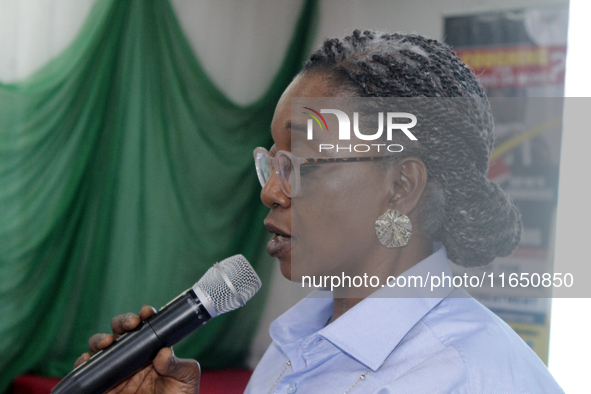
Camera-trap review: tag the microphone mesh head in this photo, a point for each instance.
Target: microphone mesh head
(241, 276)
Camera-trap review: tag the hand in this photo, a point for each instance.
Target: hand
(167, 374)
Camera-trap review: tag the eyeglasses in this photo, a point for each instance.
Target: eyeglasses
(287, 167)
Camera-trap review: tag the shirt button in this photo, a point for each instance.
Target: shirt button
(291, 388)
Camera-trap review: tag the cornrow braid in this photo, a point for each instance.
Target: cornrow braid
(473, 217)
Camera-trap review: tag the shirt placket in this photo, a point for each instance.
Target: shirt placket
(314, 351)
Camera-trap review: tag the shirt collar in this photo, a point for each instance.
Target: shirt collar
(372, 329)
(302, 321)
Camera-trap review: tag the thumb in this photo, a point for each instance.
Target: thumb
(184, 370)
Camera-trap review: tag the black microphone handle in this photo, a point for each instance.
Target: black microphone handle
(137, 348)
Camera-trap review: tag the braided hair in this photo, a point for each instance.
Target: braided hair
(474, 218)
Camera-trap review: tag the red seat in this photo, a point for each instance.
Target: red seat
(222, 381)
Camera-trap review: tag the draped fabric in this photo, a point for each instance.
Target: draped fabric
(124, 175)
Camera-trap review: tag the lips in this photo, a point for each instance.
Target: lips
(280, 244)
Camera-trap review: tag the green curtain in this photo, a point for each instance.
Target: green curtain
(124, 175)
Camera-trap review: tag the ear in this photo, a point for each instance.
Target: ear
(408, 181)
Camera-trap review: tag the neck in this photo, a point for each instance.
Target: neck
(404, 258)
(342, 305)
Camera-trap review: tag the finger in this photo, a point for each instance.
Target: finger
(81, 360)
(146, 312)
(98, 342)
(183, 370)
(123, 323)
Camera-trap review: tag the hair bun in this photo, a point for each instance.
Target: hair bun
(481, 222)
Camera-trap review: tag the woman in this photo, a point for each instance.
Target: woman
(401, 207)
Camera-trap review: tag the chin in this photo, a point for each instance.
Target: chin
(287, 271)
(285, 267)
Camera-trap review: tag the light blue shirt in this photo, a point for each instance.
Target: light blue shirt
(448, 344)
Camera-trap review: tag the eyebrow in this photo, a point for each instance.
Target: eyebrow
(295, 126)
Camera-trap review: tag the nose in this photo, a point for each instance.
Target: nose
(272, 195)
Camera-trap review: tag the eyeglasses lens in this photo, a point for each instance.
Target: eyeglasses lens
(263, 167)
(286, 172)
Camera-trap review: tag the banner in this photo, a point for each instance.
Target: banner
(520, 56)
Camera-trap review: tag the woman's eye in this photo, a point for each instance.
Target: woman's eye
(307, 169)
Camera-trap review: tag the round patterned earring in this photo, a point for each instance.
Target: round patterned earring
(393, 229)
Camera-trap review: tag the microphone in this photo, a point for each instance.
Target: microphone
(226, 286)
